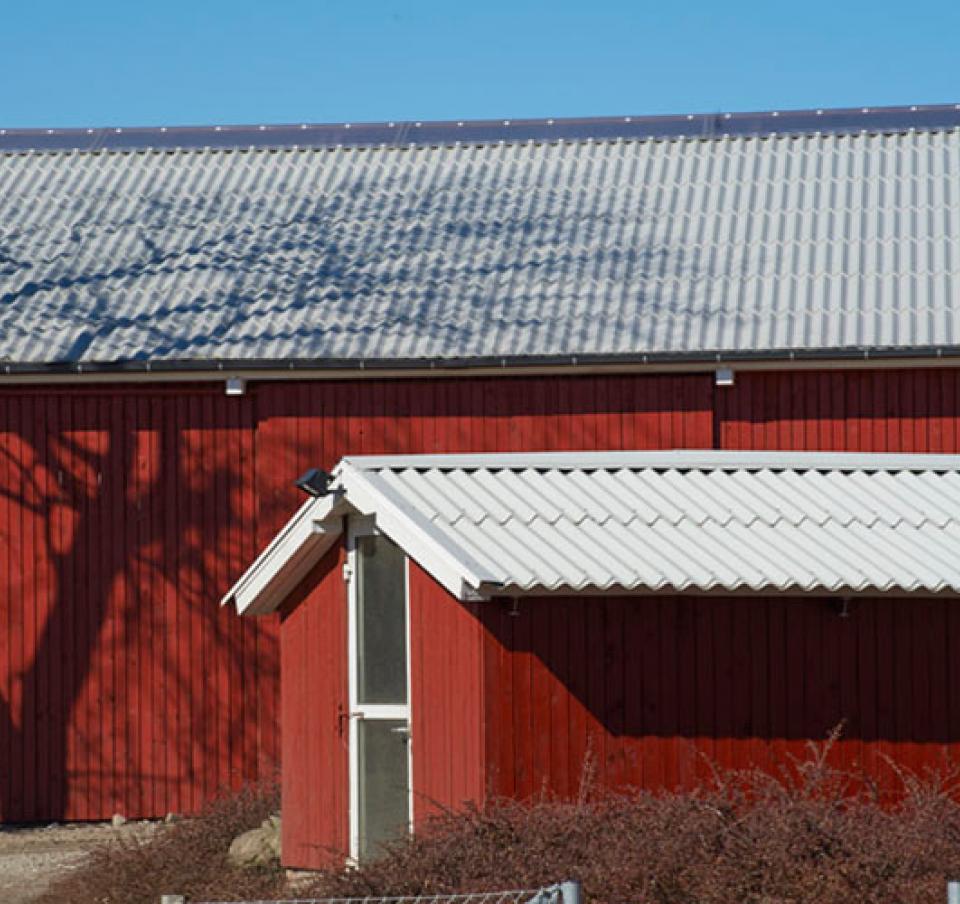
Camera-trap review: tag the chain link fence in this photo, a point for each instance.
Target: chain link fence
(560, 893)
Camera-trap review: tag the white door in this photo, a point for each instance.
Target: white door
(380, 749)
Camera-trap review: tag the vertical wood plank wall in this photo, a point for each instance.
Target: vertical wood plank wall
(306, 425)
(648, 691)
(315, 701)
(123, 687)
(125, 512)
(446, 686)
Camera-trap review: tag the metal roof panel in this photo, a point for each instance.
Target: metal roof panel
(691, 521)
(329, 253)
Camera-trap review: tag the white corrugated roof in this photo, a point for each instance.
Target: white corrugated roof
(488, 525)
(745, 245)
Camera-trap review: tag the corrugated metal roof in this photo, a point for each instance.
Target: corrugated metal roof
(465, 252)
(679, 521)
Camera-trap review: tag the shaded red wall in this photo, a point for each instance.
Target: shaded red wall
(649, 691)
(846, 410)
(126, 512)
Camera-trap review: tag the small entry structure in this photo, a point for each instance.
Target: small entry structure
(455, 626)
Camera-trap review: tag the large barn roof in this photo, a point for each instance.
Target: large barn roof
(676, 521)
(820, 233)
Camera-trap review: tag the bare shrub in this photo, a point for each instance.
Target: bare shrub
(811, 833)
(188, 858)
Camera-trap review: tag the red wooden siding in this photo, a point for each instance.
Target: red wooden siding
(123, 688)
(640, 687)
(846, 410)
(303, 425)
(125, 512)
(446, 698)
(315, 708)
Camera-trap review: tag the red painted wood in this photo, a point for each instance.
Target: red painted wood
(315, 708)
(127, 511)
(855, 411)
(648, 670)
(119, 522)
(446, 699)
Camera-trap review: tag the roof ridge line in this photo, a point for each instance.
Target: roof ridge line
(847, 120)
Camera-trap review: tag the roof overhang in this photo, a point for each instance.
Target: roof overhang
(697, 521)
(210, 370)
(277, 571)
(319, 523)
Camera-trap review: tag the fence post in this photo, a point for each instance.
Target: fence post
(572, 893)
(172, 899)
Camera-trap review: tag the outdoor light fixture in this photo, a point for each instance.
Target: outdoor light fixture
(236, 386)
(314, 482)
(724, 376)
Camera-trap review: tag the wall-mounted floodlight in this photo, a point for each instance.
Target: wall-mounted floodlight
(314, 482)
(236, 386)
(724, 376)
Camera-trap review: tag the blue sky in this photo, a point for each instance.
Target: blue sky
(136, 62)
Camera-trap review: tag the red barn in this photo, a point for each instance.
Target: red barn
(189, 318)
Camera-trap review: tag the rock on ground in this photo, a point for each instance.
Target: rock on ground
(257, 847)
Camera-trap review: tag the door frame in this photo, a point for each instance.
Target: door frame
(364, 526)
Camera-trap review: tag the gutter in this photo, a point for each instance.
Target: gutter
(373, 368)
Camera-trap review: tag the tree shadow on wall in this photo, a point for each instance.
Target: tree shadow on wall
(129, 690)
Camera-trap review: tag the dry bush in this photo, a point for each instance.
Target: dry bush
(187, 858)
(810, 834)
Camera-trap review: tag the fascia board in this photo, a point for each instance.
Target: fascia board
(269, 590)
(692, 459)
(281, 548)
(441, 557)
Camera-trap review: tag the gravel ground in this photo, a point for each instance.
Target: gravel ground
(31, 857)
